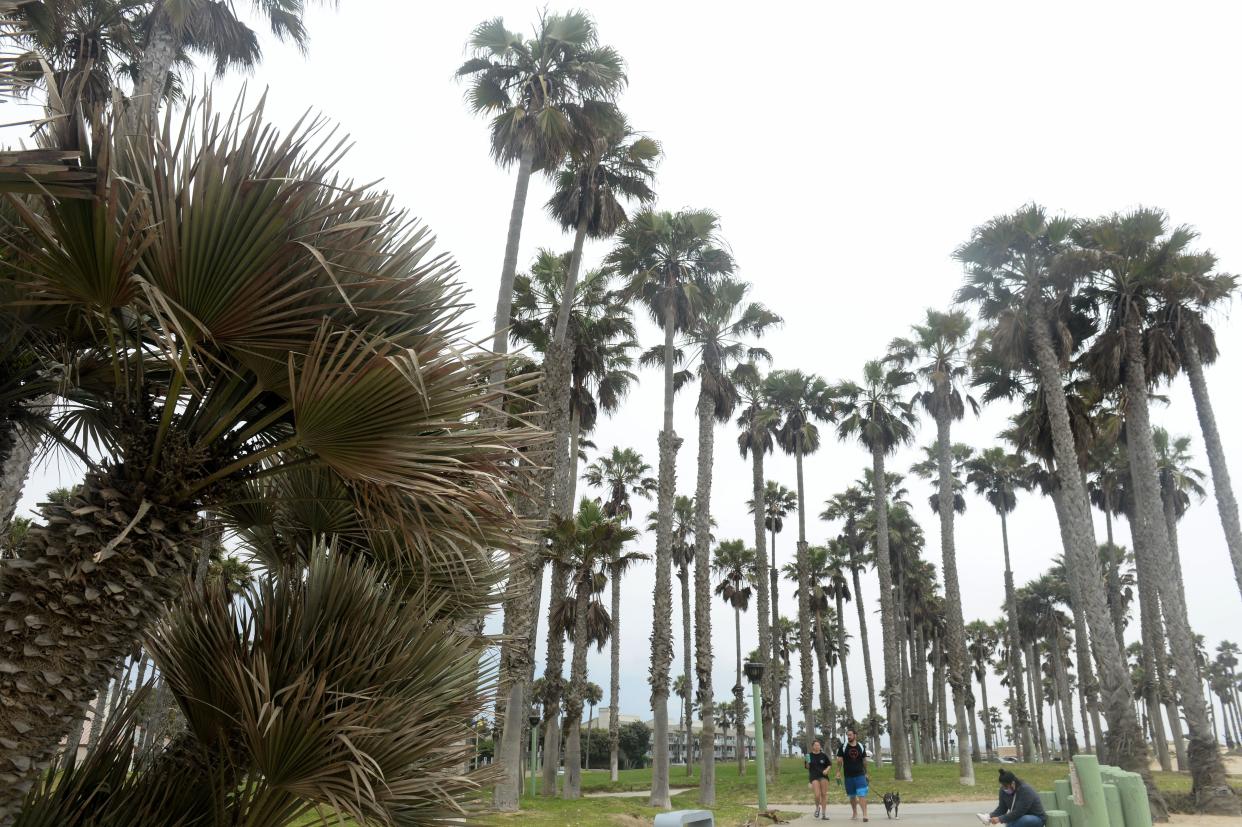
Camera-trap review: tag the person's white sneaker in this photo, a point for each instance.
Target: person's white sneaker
(984, 818)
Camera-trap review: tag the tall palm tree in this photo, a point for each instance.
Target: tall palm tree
(1038, 603)
(785, 635)
(1130, 256)
(875, 414)
(778, 503)
(683, 558)
(610, 165)
(756, 437)
(666, 256)
(734, 564)
(622, 474)
(1107, 470)
(998, 477)
(371, 390)
(939, 348)
(851, 506)
(1017, 273)
(981, 643)
(1185, 301)
(592, 694)
(587, 545)
(1179, 481)
(838, 588)
(801, 399)
(543, 94)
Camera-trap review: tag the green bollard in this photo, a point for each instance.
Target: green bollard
(1049, 800)
(1112, 798)
(1063, 793)
(1134, 804)
(1057, 818)
(1091, 788)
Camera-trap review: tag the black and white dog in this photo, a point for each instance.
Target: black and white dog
(892, 804)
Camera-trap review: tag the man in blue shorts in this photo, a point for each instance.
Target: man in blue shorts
(852, 760)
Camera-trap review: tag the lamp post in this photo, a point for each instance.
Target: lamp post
(534, 745)
(754, 674)
(914, 731)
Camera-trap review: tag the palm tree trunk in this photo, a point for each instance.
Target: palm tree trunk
(845, 668)
(64, 651)
(770, 689)
(955, 634)
(702, 588)
(739, 727)
(614, 678)
(987, 720)
(1065, 698)
(1036, 676)
(157, 61)
(1113, 577)
(1175, 730)
(577, 685)
(774, 578)
(17, 452)
(788, 707)
(894, 703)
(1021, 722)
(1153, 637)
(508, 271)
(864, 641)
(805, 644)
(662, 612)
(687, 709)
(1226, 504)
(1126, 747)
(1212, 792)
(976, 754)
(554, 680)
(821, 668)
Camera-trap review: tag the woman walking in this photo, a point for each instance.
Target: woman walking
(817, 764)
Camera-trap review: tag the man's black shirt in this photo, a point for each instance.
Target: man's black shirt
(854, 758)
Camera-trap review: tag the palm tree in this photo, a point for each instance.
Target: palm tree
(666, 257)
(371, 391)
(821, 640)
(852, 506)
(176, 27)
(734, 564)
(1179, 481)
(939, 347)
(1107, 471)
(586, 546)
(543, 94)
(785, 634)
(1038, 602)
(875, 414)
(756, 437)
(592, 694)
(1130, 256)
(684, 689)
(800, 399)
(778, 503)
(838, 588)
(981, 643)
(683, 559)
(998, 477)
(1016, 273)
(622, 474)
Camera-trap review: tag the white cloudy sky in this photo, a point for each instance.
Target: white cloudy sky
(848, 149)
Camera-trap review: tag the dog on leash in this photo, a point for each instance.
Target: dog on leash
(892, 805)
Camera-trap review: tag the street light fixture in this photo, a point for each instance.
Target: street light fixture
(754, 674)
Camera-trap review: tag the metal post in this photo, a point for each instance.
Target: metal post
(759, 760)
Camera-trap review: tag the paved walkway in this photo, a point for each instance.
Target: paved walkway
(635, 793)
(947, 814)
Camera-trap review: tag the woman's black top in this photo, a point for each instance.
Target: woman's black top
(817, 764)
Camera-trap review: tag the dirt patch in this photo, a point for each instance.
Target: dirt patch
(627, 820)
(1183, 820)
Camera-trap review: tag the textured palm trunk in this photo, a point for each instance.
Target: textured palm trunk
(955, 634)
(845, 669)
(855, 567)
(894, 706)
(788, 708)
(1126, 747)
(769, 690)
(805, 645)
(614, 678)
(821, 666)
(17, 453)
(739, 710)
(662, 612)
(1112, 573)
(577, 685)
(975, 743)
(1152, 632)
(1021, 722)
(1175, 731)
(687, 710)
(1212, 792)
(1064, 698)
(508, 270)
(118, 557)
(553, 681)
(703, 659)
(1226, 504)
(153, 68)
(987, 719)
(773, 580)
(1035, 675)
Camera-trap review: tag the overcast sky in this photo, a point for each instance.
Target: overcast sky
(848, 148)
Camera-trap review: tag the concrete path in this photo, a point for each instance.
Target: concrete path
(948, 814)
(635, 793)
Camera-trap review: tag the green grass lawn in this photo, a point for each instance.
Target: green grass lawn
(735, 795)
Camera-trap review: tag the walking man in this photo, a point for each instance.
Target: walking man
(1020, 805)
(852, 760)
